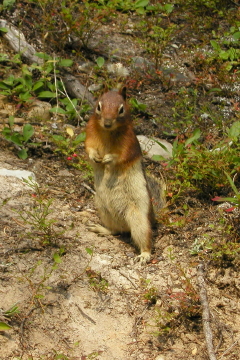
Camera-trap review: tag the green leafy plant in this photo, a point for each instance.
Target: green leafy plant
(4, 326)
(234, 200)
(150, 293)
(219, 251)
(37, 216)
(196, 168)
(38, 283)
(154, 36)
(139, 6)
(201, 245)
(226, 48)
(25, 87)
(6, 315)
(96, 281)
(203, 7)
(47, 86)
(136, 106)
(68, 144)
(20, 139)
(85, 21)
(7, 4)
(18, 88)
(70, 108)
(178, 308)
(100, 62)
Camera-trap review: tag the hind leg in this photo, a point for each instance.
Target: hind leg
(141, 232)
(99, 229)
(107, 221)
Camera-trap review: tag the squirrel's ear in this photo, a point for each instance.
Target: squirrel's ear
(123, 92)
(105, 89)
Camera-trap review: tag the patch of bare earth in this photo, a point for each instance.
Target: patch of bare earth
(99, 304)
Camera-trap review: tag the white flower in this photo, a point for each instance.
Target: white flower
(118, 69)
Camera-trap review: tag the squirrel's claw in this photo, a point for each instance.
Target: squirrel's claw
(143, 258)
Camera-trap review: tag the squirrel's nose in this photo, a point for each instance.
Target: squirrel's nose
(107, 123)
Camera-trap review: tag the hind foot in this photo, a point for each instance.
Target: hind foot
(143, 258)
(98, 229)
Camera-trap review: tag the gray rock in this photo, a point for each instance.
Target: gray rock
(12, 186)
(151, 147)
(40, 110)
(141, 64)
(20, 174)
(174, 75)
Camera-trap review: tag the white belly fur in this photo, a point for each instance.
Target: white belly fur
(119, 193)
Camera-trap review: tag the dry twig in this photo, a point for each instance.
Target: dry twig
(230, 347)
(205, 312)
(88, 188)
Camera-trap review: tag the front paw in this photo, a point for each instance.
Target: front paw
(94, 156)
(96, 159)
(109, 158)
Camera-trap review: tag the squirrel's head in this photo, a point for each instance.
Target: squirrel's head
(112, 110)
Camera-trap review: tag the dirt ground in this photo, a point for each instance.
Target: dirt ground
(81, 296)
(101, 304)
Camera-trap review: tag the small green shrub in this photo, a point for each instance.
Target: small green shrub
(179, 308)
(96, 281)
(67, 145)
(38, 217)
(195, 167)
(234, 200)
(155, 36)
(20, 139)
(226, 48)
(25, 87)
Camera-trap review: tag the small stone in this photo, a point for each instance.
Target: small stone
(19, 120)
(86, 67)
(40, 110)
(190, 337)
(64, 173)
(4, 114)
(194, 352)
(95, 87)
(151, 147)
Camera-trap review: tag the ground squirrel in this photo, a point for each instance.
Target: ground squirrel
(122, 194)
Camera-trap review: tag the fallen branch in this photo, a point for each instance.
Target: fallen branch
(18, 43)
(205, 312)
(76, 89)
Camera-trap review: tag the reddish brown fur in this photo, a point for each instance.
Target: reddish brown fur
(121, 141)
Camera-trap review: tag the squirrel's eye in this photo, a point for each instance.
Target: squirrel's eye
(99, 107)
(121, 110)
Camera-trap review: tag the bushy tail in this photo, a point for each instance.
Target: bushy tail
(157, 189)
